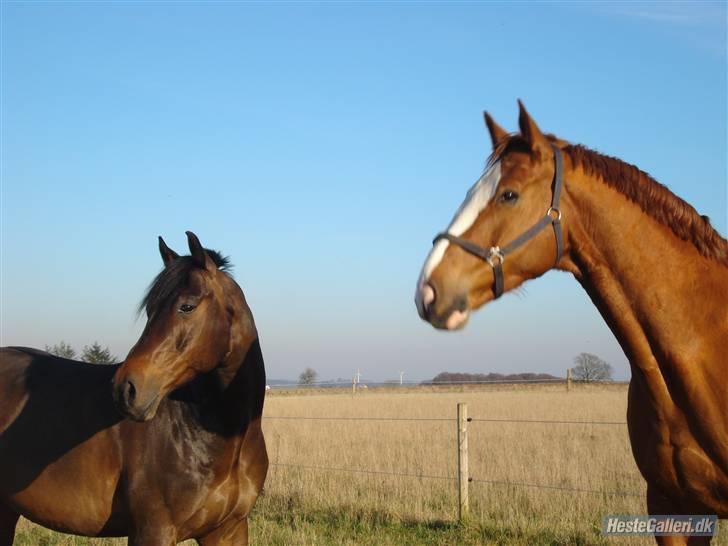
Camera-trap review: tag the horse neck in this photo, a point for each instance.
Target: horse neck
(241, 382)
(238, 382)
(663, 300)
(241, 374)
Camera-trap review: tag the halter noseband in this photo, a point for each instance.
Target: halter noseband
(495, 256)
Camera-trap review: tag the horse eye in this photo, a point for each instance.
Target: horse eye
(186, 308)
(509, 196)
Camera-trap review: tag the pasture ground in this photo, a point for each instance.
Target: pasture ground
(310, 506)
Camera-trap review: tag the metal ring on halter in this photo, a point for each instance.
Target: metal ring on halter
(495, 252)
(552, 210)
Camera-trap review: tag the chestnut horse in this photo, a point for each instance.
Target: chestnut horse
(187, 465)
(655, 269)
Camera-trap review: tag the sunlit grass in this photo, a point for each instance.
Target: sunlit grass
(304, 506)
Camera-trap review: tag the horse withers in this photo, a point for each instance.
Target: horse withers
(164, 447)
(655, 269)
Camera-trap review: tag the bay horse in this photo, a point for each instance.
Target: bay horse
(655, 269)
(163, 447)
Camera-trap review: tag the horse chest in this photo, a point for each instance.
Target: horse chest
(215, 495)
(211, 479)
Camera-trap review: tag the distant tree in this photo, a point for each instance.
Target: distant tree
(95, 354)
(307, 377)
(63, 349)
(589, 367)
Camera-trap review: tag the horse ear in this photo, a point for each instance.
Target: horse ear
(497, 133)
(198, 253)
(530, 131)
(168, 255)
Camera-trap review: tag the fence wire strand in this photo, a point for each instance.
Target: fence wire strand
(547, 421)
(289, 417)
(446, 419)
(363, 471)
(558, 488)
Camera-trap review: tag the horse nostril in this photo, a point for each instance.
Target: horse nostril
(129, 392)
(428, 295)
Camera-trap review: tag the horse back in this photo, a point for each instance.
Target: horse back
(49, 387)
(51, 409)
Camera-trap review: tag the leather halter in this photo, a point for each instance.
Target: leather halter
(496, 256)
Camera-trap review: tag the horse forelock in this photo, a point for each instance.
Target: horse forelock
(167, 285)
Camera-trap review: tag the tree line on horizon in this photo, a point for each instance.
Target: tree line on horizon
(93, 354)
(464, 377)
(587, 367)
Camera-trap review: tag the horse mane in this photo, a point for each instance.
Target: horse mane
(653, 198)
(168, 283)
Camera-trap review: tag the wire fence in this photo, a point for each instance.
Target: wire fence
(453, 478)
(469, 478)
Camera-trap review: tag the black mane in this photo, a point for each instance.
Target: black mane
(173, 278)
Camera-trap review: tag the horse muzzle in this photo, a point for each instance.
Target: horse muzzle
(135, 399)
(441, 311)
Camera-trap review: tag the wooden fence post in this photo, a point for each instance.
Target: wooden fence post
(463, 475)
(568, 379)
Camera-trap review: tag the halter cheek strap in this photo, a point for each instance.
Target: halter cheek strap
(496, 256)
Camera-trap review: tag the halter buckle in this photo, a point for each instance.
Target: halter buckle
(550, 214)
(495, 255)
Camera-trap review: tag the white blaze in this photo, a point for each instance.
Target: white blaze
(476, 200)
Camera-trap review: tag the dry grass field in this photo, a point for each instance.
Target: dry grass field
(306, 505)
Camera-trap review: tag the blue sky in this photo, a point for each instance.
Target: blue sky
(322, 146)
